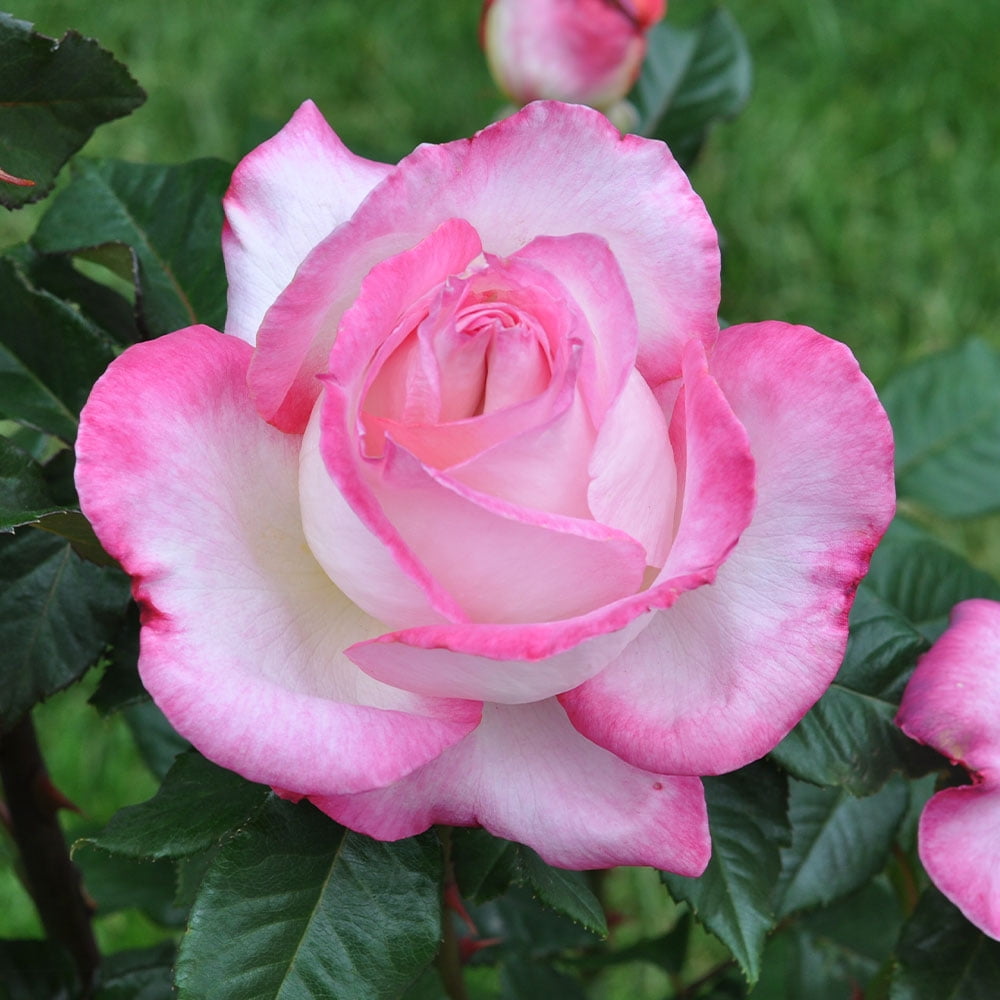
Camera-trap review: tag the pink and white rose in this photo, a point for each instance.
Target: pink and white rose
(952, 703)
(473, 515)
(582, 51)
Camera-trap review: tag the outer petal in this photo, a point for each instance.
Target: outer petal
(719, 679)
(528, 662)
(550, 170)
(286, 196)
(952, 703)
(527, 775)
(242, 631)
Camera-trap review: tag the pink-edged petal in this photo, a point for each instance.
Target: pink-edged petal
(525, 774)
(285, 196)
(952, 701)
(550, 170)
(633, 481)
(718, 679)
(959, 844)
(243, 633)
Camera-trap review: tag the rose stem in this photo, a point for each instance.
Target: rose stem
(449, 959)
(52, 878)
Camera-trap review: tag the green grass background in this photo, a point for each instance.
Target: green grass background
(858, 193)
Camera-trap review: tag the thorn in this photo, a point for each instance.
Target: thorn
(467, 947)
(19, 181)
(5, 817)
(48, 796)
(454, 902)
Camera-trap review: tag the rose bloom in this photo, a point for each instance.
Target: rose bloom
(584, 51)
(472, 515)
(952, 703)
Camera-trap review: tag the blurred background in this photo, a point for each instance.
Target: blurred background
(858, 193)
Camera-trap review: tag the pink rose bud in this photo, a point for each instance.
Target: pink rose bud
(582, 51)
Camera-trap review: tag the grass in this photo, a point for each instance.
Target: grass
(856, 194)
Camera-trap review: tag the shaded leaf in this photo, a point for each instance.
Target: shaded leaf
(485, 866)
(165, 222)
(565, 892)
(50, 355)
(294, 906)
(139, 974)
(834, 953)
(158, 742)
(747, 813)
(35, 970)
(838, 842)
(57, 613)
(120, 685)
(526, 929)
(941, 954)
(116, 882)
(23, 494)
(196, 807)
(52, 97)
(74, 528)
(945, 412)
(691, 78)
(521, 980)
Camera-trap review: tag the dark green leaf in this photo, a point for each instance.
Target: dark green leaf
(747, 813)
(104, 307)
(197, 806)
(485, 866)
(169, 218)
(120, 685)
(157, 740)
(941, 954)
(849, 737)
(526, 929)
(52, 97)
(521, 980)
(295, 907)
(141, 974)
(23, 494)
(563, 891)
(50, 355)
(833, 953)
(838, 842)
(117, 882)
(57, 613)
(945, 412)
(691, 78)
(73, 527)
(35, 970)
(427, 987)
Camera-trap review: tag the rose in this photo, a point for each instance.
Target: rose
(491, 524)
(584, 51)
(952, 703)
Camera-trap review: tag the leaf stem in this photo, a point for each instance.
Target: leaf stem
(449, 959)
(52, 879)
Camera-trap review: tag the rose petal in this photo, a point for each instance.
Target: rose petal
(525, 662)
(286, 196)
(719, 679)
(952, 703)
(959, 843)
(525, 774)
(552, 170)
(242, 631)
